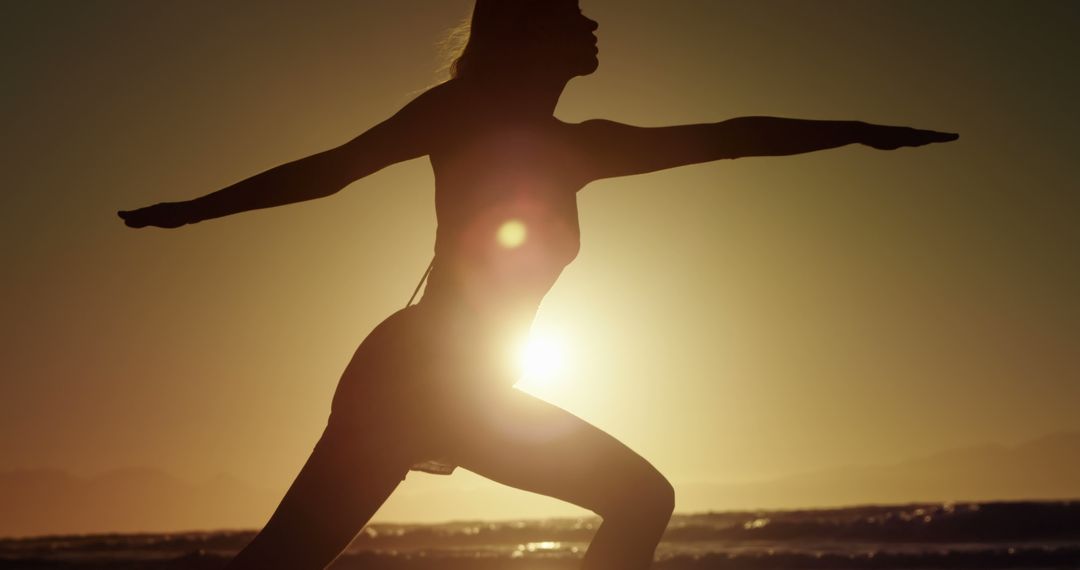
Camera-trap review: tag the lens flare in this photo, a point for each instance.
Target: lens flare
(511, 234)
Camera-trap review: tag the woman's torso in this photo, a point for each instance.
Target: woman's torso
(506, 206)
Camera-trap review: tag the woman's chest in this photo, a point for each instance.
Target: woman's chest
(511, 193)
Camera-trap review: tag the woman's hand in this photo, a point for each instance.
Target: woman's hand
(163, 215)
(883, 137)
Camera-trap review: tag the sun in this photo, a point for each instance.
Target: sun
(542, 360)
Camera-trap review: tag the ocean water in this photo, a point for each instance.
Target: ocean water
(952, 535)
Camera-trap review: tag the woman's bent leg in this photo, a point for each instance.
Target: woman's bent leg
(340, 487)
(524, 442)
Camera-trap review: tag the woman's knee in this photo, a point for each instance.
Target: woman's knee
(659, 498)
(649, 498)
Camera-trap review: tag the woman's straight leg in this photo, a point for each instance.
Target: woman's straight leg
(362, 456)
(343, 483)
(527, 443)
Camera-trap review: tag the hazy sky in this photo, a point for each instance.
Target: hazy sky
(730, 321)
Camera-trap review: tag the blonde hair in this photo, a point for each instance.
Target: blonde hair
(490, 42)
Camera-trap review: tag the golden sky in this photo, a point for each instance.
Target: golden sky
(733, 321)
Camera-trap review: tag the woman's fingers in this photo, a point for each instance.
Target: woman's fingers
(164, 215)
(889, 138)
(946, 137)
(130, 218)
(926, 137)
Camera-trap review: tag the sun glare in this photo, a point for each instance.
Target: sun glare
(542, 359)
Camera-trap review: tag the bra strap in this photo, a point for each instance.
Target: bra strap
(421, 283)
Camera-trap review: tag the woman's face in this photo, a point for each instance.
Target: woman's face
(565, 39)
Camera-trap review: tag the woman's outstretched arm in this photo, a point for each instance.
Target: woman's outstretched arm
(615, 149)
(401, 137)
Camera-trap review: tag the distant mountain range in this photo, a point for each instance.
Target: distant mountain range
(49, 501)
(1044, 468)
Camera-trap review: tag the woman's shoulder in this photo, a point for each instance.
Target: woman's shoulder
(432, 117)
(447, 105)
(449, 97)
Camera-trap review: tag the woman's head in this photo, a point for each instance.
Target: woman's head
(511, 37)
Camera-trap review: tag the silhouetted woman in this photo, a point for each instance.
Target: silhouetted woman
(431, 387)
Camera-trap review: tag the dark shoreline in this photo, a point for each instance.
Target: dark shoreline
(1044, 534)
